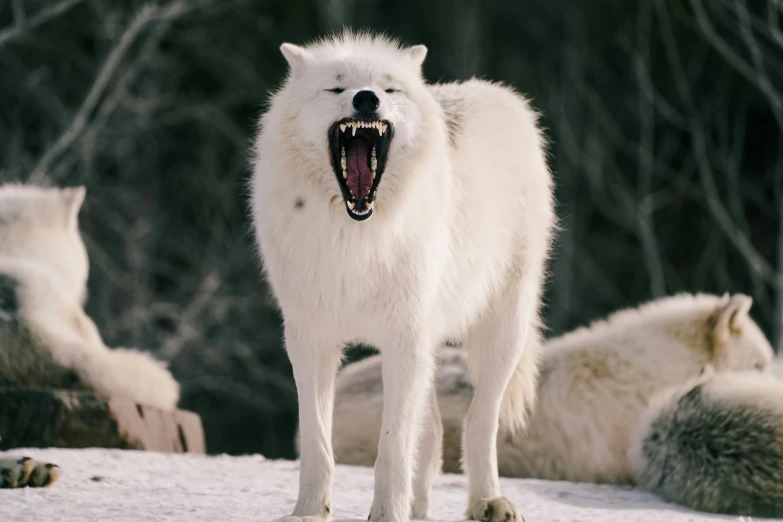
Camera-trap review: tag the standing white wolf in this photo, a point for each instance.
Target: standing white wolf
(397, 214)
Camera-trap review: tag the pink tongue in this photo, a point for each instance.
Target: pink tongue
(359, 178)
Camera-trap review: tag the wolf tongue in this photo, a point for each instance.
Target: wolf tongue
(359, 178)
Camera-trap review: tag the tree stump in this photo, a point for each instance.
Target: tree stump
(70, 419)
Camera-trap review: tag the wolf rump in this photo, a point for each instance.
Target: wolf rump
(46, 339)
(448, 229)
(714, 445)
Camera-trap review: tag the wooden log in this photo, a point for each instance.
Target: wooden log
(70, 419)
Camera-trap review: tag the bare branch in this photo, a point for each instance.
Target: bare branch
(22, 25)
(777, 325)
(185, 331)
(646, 231)
(755, 74)
(142, 19)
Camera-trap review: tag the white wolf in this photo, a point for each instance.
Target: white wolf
(398, 214)
(595, 384)
(46, 339)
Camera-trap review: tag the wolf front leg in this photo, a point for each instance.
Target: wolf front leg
(407, 377)
(430, 456)
(315, 365)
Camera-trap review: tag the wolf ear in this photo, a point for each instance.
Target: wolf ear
(729, 317)
(417, 54)
(73, 198)
(295, 55)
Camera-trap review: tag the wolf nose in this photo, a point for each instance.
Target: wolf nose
(366, 102)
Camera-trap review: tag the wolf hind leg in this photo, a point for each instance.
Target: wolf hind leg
(500, 344)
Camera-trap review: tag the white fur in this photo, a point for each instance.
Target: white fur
(456, 247)
(595, 383)
(49, 335)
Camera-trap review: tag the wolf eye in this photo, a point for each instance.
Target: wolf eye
(336, 90)
(391, 90)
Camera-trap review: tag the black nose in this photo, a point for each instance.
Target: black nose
(366, 102)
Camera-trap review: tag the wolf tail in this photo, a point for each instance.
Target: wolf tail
(520, 396)
(715, 445)
(133, 374)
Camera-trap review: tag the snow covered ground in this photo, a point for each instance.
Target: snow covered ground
(115, 486)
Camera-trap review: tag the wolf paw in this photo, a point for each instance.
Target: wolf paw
(498, 509)
(26, 472)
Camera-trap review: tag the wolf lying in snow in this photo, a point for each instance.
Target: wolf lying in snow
(397, 214)
(595, 384)
(715, 445)
(46, 339)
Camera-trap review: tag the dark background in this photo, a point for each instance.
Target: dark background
(665, 118)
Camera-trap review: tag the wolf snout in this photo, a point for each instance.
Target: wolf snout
(366, 103)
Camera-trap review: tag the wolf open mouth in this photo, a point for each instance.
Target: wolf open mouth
(359, 149)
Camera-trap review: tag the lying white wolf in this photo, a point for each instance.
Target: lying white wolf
(46, 339)
(398, 214)
(595, 384)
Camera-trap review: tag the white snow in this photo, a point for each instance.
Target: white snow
(137, 486)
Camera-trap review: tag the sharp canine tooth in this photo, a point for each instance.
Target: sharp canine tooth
(353, 128)
(343, 126)
(351, 205)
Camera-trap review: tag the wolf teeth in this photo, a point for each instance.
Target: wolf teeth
(361, 212)
(373, 162)
(343, 162)
(354, 125)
